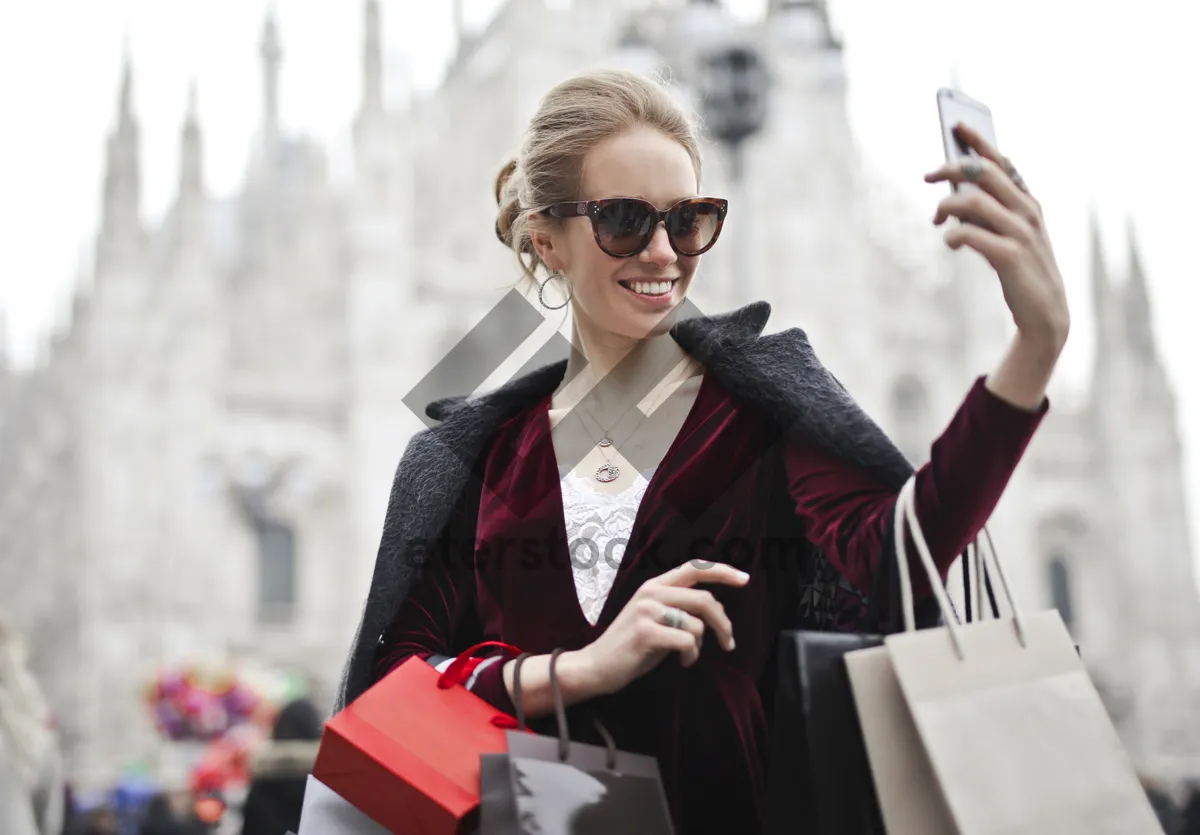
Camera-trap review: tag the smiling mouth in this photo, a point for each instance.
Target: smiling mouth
(650, 289)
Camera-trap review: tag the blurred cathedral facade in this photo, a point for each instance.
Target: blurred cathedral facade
(199, 463)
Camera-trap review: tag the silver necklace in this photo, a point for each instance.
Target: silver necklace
(609, 472)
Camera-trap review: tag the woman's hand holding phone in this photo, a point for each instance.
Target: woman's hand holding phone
(1017, 246)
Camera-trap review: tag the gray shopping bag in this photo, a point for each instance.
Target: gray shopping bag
(1014, 730)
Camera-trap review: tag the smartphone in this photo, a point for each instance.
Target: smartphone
(956, 107)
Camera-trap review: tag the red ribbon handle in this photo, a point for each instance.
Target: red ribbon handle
(460, 668)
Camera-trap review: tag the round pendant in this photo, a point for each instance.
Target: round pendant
(607, 473)
(605, 441)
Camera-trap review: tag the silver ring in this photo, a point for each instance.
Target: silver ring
(972, 169)
(672, 617)
(1015, 176)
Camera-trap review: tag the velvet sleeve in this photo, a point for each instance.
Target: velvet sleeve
(848, 514)
(426, 622)
(429, 623)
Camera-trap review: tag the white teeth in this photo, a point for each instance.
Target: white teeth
(651, 288)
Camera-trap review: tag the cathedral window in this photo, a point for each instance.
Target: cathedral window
(276, 571)
(1060, 589)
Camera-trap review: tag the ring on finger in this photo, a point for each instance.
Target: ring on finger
(972, 169)
(672, 617)
(1014, 175)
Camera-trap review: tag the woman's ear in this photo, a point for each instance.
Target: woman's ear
(543, 241)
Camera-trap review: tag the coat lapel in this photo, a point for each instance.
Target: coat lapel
(779, 374)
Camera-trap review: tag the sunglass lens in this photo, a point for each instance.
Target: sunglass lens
(693, 225)
(623, 226)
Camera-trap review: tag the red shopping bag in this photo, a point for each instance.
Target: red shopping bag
(406, 752)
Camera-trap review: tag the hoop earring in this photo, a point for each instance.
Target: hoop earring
(542, 291)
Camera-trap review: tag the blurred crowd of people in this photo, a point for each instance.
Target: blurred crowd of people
(271, 806)
(36, 798)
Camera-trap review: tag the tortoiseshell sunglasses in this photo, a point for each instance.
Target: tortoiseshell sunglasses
(624, 226)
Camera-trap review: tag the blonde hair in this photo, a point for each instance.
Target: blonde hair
(573, 118)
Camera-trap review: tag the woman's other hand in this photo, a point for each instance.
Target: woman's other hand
(665, 615)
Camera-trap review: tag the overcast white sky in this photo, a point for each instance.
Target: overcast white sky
(1097, 103)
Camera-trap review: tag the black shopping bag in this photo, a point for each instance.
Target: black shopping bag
(553, 786)
(819, 777)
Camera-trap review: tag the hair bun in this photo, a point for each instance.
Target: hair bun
(502, 179)
(507, 201)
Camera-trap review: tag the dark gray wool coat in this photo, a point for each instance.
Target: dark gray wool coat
(779, 374)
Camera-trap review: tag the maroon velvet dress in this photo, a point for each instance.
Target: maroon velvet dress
(730, 478)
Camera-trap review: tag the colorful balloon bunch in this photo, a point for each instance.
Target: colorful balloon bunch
(196, 705)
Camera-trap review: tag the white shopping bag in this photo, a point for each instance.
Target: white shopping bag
(909, 795)
(1009, 719)
(326, 813)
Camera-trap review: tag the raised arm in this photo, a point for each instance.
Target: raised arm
(847, 513)
(971, 463)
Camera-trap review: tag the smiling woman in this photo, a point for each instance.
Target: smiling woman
(665, 443)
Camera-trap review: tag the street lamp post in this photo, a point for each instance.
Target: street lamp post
(733, 86)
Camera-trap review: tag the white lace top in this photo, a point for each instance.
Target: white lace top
(598, 529)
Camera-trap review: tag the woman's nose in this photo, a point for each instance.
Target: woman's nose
(659, 251)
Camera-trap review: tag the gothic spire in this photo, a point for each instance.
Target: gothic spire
(120, 222)
(191, 170)
(372, 101)
(125, 99)
(1101, 287)
(271, 53)
(189, 204)
(125, 125)
(1139, 325)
